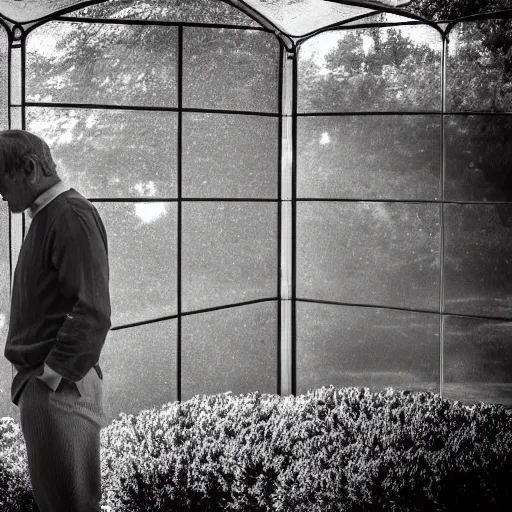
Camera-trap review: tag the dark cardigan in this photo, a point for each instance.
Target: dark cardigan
(60, 307)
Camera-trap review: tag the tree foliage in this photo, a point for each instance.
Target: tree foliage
(443, 10)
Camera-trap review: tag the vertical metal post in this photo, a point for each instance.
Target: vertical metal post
(287, 222)
(15, 63)
(16, 122)
(179, 213)
(443, 169)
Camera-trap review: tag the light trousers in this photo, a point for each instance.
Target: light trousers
(62, 433)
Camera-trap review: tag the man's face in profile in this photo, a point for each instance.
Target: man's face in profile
(14, 189)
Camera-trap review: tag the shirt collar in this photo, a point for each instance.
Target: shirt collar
(46, 197)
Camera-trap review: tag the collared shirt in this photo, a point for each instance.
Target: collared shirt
(46, 198)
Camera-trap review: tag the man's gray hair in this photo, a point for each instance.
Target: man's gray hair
(17, 145)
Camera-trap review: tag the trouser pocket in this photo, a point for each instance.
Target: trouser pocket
(90, 387)
(90, 402)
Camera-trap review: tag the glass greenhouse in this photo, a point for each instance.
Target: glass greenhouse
(297, 193)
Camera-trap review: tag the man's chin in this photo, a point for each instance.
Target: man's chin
(15, 209)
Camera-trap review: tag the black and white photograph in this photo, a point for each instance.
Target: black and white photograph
(256, 255)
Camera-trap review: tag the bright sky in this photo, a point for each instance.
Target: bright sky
(148, 212)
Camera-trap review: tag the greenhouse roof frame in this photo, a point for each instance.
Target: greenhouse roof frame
(273, 15)
(291, 21)
(26, 11)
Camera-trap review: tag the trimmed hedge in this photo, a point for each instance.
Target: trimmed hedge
(332, 449)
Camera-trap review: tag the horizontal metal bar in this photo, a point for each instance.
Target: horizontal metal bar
(161, 23)
(412, 310)
(195, 312)
(370, 306)
(405, 201)
(148, 108)
(100, 106)
(143, 322)
(228, 306)
(175, 199)
(403, 113)
(479, 317)
(372, 113)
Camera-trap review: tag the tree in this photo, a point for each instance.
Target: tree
(442, 10)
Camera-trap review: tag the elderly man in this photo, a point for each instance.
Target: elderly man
(60, 316)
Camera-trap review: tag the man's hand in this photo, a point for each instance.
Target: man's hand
(50, 377)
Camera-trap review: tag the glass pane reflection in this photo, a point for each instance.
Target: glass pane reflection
(477, 360)
(353, 346)
(384, 254)
(4, 77)
(478, 252)
(230, 69)
(191, 11)
(7, 408)
(478, 158)
(139, 368)
(229, 253)
(232, 349)
(478, 67)
(143, 261)
(230, 156)
(111, 153)
(399, 160)
(102, 64)
(371, 69)
(5, 268)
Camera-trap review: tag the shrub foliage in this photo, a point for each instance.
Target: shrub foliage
(332, 449)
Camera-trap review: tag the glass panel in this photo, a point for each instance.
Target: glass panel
(16, 117)
(111, 153)
(385, 254)
(231, 349)
(143, 259)
(478, 158)
(191, 11)
(477, 360)
(300, 17)
(4, 83)
(230, 156)
(383, 17)
(230, 69)
(229, 253)
(337, 159)
(139, 368)
(478, 252)
(15, 75)
(352, 346)
(372, 69)
(478, 66)
(5, 268)
(7, 408)
(102, 64)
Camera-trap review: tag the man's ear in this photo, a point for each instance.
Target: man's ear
(31, 169)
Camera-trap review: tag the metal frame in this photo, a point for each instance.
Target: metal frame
(443, 112)
(287, 199)
(179, 199)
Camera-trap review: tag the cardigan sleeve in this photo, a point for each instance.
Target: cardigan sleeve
(80, 257)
